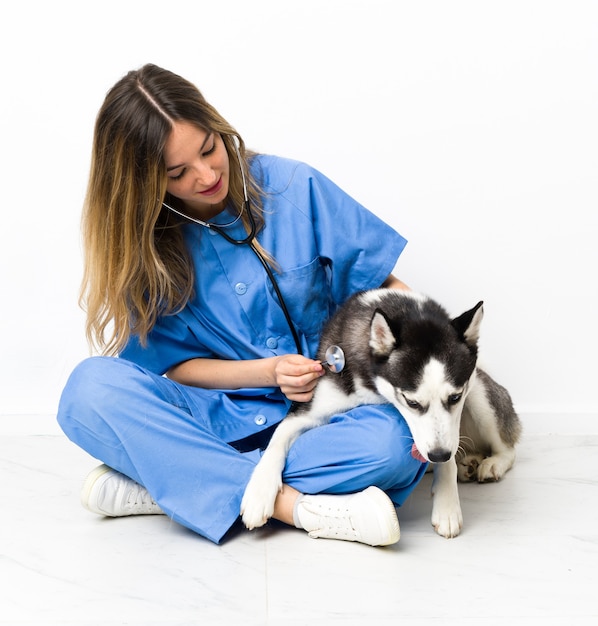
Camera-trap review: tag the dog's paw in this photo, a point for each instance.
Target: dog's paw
(468, 467)
(491, 469)
(447, 522)
(260, 494)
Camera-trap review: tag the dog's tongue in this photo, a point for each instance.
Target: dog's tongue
(416, 454)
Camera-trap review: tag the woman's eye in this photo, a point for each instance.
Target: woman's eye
(178, 176)
(210, 150)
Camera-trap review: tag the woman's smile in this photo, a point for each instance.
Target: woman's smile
(213, 189)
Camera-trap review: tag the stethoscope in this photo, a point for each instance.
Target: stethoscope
(335, 358)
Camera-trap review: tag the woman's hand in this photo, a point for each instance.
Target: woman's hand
(297, 376)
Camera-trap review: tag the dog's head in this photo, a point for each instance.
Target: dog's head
(425, 367)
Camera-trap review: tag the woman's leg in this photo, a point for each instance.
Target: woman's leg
(368, 445)
(147, 428)
(365, 452)
(142, 425)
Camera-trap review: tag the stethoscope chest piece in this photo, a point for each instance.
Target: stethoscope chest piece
(335, 359)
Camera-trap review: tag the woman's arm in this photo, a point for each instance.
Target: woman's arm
(296, 375)
(392, 282)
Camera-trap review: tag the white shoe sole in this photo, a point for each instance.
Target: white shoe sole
(92, 483)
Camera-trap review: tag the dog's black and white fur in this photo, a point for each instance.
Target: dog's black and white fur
(402, 347)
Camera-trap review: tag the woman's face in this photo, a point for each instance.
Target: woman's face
(197, 167)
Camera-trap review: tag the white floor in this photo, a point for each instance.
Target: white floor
(528, 553)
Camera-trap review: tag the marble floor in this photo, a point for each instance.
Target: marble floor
(528, 553)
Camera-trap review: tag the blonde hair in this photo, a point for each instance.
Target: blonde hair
(137, 267)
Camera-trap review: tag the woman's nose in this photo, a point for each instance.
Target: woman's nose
(205, 175)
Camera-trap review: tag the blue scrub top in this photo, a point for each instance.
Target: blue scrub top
(326, 247)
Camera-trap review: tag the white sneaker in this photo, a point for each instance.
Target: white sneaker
(107, 492)
(368, 517)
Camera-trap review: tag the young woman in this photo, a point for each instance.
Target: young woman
(210, 272)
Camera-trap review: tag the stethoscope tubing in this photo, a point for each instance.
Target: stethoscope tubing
(249, 241)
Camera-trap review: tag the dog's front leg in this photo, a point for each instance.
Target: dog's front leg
(265, 483)
(447, 518)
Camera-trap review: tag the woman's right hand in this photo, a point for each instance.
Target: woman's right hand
(297, 376)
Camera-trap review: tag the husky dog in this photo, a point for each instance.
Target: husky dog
(402, 347)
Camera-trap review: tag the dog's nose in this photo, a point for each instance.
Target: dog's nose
(438, 455)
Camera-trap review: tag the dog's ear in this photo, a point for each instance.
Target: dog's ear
(382, 339)
(468, 324)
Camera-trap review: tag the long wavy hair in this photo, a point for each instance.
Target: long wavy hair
(137, 267)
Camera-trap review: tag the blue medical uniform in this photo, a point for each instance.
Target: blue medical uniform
(194, 449)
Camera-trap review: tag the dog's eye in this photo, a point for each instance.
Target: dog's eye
(412, 404)
(455, 398)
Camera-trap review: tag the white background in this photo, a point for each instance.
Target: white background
(471, 127)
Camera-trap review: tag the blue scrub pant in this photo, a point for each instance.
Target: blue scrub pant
(160, 434)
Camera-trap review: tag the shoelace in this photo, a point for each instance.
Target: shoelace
(334, 522)
(138, 496)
